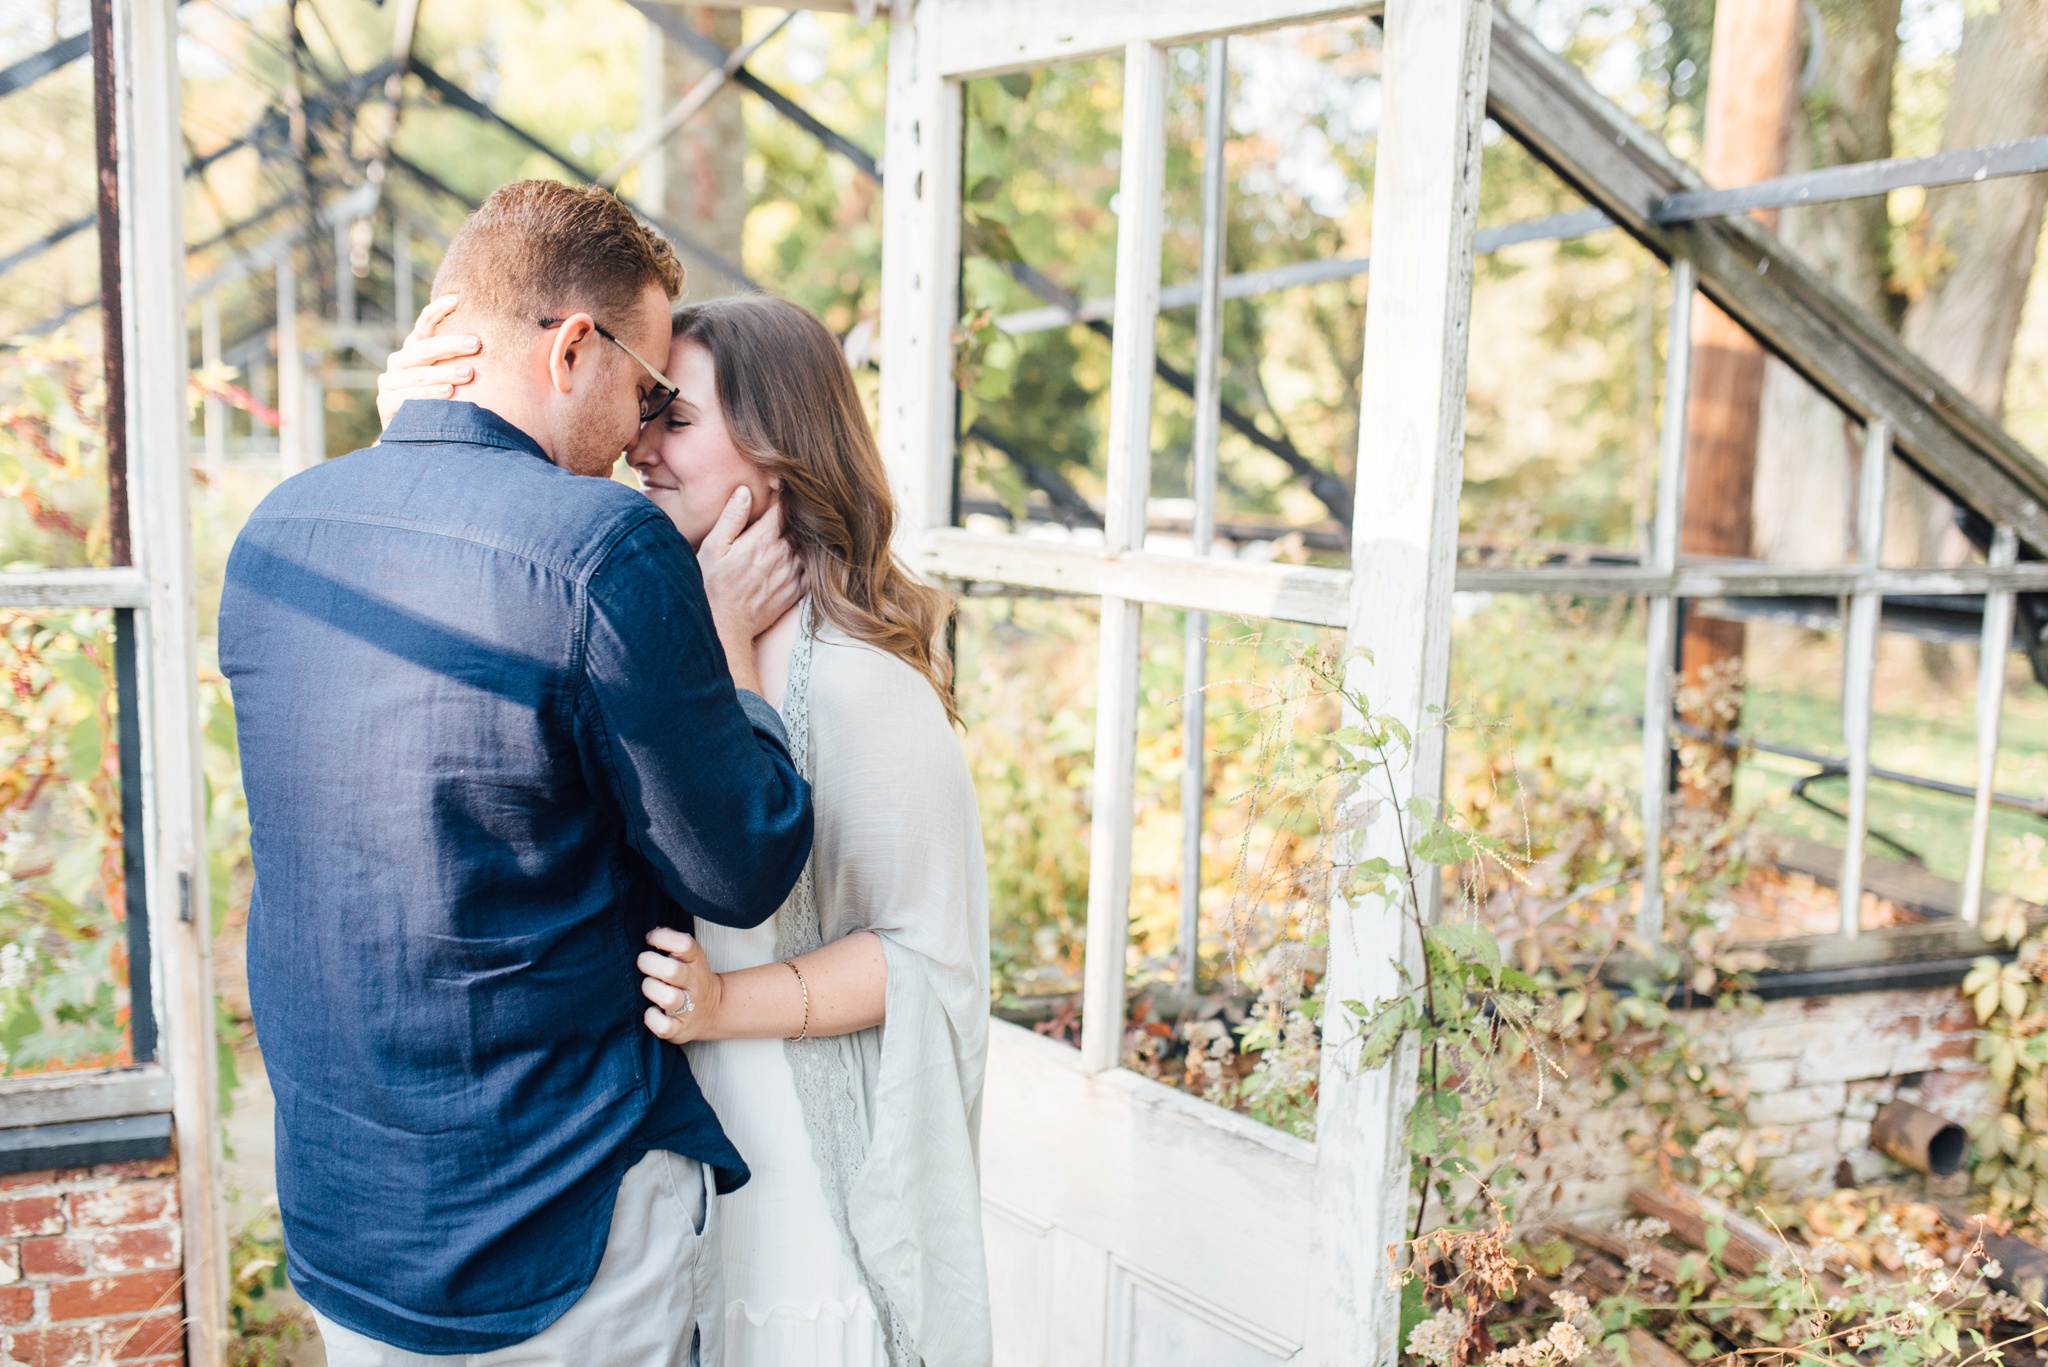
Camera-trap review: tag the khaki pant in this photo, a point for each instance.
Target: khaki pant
(653, 1303)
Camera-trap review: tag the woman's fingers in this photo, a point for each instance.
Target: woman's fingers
(667, 968)
(434, 350)
(663, 996)
(674, 942)
(732, 522)
(407, 377)
(432, 316)
(667, 1027)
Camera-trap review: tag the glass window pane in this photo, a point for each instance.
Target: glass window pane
(1025, 681)
(1545, 759)
(53, 460)
(53, 489)
(1245, 1037)
(63, 949)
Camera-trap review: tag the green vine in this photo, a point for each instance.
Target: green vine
(2010, 1152)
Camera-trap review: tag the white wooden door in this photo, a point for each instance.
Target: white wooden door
(1130, 1224)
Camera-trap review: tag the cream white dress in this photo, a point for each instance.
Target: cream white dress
(793, 1296)
(857, 1242)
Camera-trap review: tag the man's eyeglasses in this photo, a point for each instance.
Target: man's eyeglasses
(653, 403)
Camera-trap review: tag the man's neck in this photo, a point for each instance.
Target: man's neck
(511, 401)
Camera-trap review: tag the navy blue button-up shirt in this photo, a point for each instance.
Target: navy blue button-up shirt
(489, 740)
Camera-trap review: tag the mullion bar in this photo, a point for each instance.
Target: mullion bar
(1859, 666)
(119, 587)
(134, 872)
(1202, 481)
(1992, 649)
(1140, 195)
(1661, 627)
(1969, 165)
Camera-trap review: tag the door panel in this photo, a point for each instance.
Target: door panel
(1130, 1224)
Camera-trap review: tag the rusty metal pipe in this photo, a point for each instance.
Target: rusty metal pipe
(1919, 1138)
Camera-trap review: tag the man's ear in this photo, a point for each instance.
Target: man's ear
(570, 353)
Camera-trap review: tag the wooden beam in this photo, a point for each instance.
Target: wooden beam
(153, 256)
(1859, 670)
(1208, 396)
(988, 37)
(1320, 596)
(1404, 551)
(1141, 194)
(1241, 588)
(1623, 170)
(116, 588)
(1752, 580)
(1992, 649)
(1968, 165)
(920, 265)
(1661, 634)
(62, 1098)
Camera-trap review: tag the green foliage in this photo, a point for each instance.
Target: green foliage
(1032, 766)
(262, 1331)
(2010, 1153)
(62, 955)
(63, 962)
(53, 491)
(1041, 174)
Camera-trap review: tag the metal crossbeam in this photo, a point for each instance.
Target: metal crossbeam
(674, 26)
(1966, 165)
(461, 99)
(56, 56)
(29, 70)
(1549, 228)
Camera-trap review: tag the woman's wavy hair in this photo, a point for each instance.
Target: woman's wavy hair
(791, 406)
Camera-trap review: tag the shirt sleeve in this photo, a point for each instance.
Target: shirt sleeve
(703, 783)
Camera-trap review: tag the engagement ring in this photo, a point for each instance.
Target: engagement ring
(688, 1004)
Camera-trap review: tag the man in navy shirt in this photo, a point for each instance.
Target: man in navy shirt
(491, 736)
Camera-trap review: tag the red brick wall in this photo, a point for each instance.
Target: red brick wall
(90, 1271)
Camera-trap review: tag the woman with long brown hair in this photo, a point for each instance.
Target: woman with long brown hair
(842, 1043)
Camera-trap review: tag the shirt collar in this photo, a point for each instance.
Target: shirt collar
(455, 420)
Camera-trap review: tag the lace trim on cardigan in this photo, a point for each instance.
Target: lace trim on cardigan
(821, 1068)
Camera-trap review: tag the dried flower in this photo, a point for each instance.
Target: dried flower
(1436, 1339)
(2000, 1305)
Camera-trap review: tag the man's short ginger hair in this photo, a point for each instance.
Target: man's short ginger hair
(541, 248)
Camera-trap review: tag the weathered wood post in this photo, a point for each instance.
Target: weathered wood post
(1403, 555)
(153, 282)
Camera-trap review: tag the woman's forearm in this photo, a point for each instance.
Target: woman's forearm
(849, 987)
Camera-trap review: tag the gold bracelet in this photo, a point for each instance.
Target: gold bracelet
(804, 1033)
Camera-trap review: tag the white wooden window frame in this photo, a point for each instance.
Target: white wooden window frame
(1398, 598)
(159, 588)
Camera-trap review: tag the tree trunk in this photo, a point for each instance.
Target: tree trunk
(1977, 255)
(1749, 97)
(697, 180)
(1979, 240)
(1807, 449)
